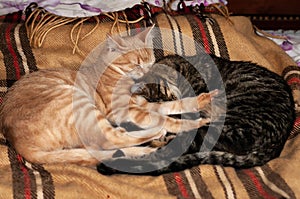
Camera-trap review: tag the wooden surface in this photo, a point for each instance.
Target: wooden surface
(265, 7)
(269, 14)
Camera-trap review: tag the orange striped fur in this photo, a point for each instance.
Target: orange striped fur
(56, 116)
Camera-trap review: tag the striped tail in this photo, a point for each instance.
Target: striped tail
(153, 165)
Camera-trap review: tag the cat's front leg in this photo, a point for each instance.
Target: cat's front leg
(202, 102)
(146, 119)
(205, 98)
(186, 105)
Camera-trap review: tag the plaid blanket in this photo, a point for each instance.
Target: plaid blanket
(235, 41)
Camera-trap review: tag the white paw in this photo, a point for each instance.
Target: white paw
(203, 121)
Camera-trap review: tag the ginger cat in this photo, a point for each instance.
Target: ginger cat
(58, 116)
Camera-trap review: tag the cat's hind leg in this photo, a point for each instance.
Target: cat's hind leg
(79, 156)
(135, 151)
(82, 156)
(115, 140)
(93, 128)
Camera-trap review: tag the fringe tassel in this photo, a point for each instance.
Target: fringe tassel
(40, 23)
(268, 34)
(223, 10)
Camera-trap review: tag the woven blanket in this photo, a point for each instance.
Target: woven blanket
(233, 40)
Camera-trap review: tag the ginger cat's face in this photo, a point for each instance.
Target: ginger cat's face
(133, 55)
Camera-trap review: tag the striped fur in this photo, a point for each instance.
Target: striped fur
(258, 121)
(73, 121)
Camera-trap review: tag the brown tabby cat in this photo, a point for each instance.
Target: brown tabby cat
(249, 130)
(58, 116)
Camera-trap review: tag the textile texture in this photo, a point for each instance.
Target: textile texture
(234, 40)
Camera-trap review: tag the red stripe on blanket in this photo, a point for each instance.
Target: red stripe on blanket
(138, 26)
(257, 184)
(282, 188)
(294, 80)
(12, 52)
(297, 121)
(16, 17)
(204, 36)
(27, 189)
(181, 185)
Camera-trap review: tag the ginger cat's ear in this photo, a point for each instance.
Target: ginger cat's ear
(146, 35)
(114, 42)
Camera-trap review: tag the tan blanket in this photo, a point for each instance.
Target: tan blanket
(237, 41)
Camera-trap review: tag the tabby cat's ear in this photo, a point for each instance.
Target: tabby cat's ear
(137, 88)
(146, 35)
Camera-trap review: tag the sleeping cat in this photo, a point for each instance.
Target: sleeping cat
(259, 116)
(58, 116)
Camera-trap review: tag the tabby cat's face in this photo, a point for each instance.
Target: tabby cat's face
(157, 85)
(154, 92)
